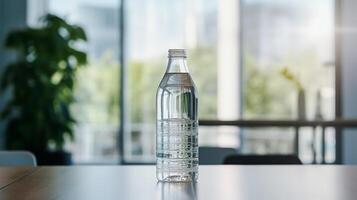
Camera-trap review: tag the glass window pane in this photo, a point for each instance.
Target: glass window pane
(152, 28)
(296, 36)
(248, 58)
(237, 51)
(96, 106)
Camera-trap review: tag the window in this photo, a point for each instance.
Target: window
(97, 91)
(237, 51)
(152, 28)
(299, 36)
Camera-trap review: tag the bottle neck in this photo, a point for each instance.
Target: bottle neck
(177, 65)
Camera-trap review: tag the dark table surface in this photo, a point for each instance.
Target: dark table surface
(215, 182)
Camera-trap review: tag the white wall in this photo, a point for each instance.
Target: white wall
(12, 16)
(349, 77)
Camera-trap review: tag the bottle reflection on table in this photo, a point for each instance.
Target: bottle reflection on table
(177, 190)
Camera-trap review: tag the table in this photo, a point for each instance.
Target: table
(215, 182)
(10, 175)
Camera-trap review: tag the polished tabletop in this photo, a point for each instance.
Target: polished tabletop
(215, 182)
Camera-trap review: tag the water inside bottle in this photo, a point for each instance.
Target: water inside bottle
(177, 129)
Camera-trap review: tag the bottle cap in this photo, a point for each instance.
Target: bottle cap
(177, 53)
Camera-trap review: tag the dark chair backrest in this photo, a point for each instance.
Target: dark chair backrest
(262, 160)
(214, 155)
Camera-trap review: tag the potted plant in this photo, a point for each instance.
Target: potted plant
(40, 84)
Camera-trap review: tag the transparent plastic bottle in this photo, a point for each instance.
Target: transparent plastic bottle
(177, 124)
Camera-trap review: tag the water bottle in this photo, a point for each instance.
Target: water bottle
(177, 124)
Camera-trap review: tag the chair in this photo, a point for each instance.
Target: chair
(214, 155)
(17, 158)
(262, 160)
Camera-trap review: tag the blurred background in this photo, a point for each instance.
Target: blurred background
(274, 62)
